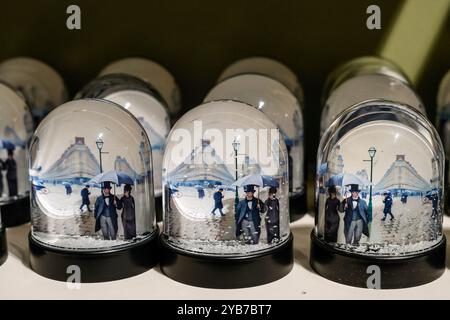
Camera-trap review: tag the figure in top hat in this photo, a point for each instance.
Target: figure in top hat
(248, 216)
(356, 218)
(105, 213)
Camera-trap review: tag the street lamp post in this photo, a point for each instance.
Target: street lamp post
(372, 151)
(100, 144)
(236, 146)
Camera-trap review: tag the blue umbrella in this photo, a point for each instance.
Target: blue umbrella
(323, 168)
(116, 177)
(258, 180)
(6, 144)
(345, 179)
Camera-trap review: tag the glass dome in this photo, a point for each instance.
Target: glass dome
(443, 122)
(280, 105)
(90, 169)
(152, 73)
(268, 67)
(40, 85)
(225, 181)
(365, 79)
(16, 126)
(385, 159)
(362, 66)
(144, 103)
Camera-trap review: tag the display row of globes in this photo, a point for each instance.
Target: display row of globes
(95, 174)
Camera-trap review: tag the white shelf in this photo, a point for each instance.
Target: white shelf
(18, 281)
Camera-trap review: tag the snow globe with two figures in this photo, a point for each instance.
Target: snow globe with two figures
(226, 198)
(92, 203)
(16, 127)
(379, 193)
(272, 88)
(147, 105)
(443, 126)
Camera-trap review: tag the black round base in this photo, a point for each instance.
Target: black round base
(3, 246)
(94, 266)
(361, 271)
(297, 206)
(16, 212)
(226, 272)
(158, 209)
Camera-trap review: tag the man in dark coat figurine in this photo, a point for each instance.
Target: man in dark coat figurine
(247, 216)
(85, 198)
(434, 205)
(218, 204)
(105, 213)
(387, 206)
(332, 218)
(356, 218)
(10, 166)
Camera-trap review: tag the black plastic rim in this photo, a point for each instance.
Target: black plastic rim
(395, 272)
(226, 272)
(16, 212)
(3, 246)
(94, 266)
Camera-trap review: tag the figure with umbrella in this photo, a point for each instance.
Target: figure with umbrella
(248, 210)
(68, 188)
(107, 204)
(356, 218)
(248, 218)
(200, 191)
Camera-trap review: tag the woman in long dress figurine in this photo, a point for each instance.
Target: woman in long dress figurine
(128, 213)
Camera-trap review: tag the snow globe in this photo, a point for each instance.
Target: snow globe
(364, 79)
(281, 106)
(226, 206)
(152, 73)
(147, 106)
(443, 124)
(16, 126)
(379, 198)
(92, 204)
(3, 243)
(268, 67)
(39, 84)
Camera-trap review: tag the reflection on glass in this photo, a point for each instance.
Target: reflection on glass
(280, 105)
(15, 128)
